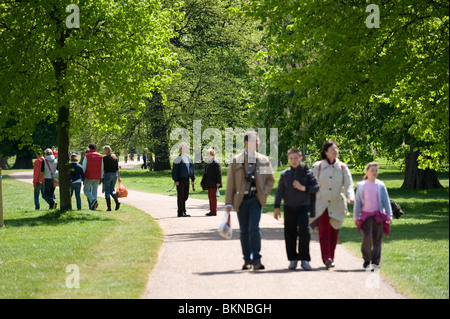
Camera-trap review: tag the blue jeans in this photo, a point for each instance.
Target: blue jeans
(109, 181)
(76, 187)
(90, 190)
(38, 190)
(249, 216)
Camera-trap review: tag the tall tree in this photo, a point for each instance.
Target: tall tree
(51, 67)
(338, 76)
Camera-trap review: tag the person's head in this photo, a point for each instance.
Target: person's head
(38, 153)
(74, 157)
(371, 171)
(210, 153)
(48, 152)
(329, 150)
(294, 157)
(183, 148)
(92, 147)
(107, 149)
(251, 141)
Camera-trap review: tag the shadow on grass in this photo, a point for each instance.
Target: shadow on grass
(55, 218)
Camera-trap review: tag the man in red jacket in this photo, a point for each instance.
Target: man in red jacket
(38, 184)
(93, 172)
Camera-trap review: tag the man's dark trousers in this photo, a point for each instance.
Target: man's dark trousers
(182, 195)
(296, 224)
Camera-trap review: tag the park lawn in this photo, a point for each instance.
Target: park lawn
(114, 251)
(415, 257)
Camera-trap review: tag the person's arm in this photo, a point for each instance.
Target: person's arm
(103, 165)
(278, 197)
(348, 185)
(230, 187)
(386, 202)
(357, 205)
(313, 184)
(84, 164)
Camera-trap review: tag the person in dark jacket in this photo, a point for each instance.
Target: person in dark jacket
(294, 187)
(212, 180)
(76, 177)
(182, 171)
(110, 175)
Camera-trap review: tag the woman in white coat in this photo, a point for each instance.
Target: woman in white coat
(336, 188)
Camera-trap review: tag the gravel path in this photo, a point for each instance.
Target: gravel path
(195, 262)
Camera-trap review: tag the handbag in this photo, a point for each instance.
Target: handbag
(218, 193)
(55, 180)
(121, 191)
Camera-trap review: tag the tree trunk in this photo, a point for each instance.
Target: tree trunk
(159, 127)
(63, 159)
(416, 178)
(23, 163)
(4, 162)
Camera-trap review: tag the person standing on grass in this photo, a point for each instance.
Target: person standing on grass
(49, 167)
(110, 176)
(250, 180)
(373, 214)
(38, 181)
(93, 172)
(76, 177)
(182, 171)
(336, 186)
(212, 180)
(294, 187)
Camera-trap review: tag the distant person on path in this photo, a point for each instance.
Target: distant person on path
(250, 180)
(76, 177)
(182, 171)
(331, 202)
(373, 214)
(110, 175)
(38, 181)
(144, 158)
(55, 152)
(294, 187)
(49, 167)
(93, 172)
(212, 180)
(125, 154)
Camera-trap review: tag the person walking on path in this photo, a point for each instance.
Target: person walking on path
(331, 204)
(76, 177)
(110, 176)
(49, 167)
(212, 180)
(294, 187)
(250, 180)
(373, 214)
(182, 171)
(93, 172)
(38, 181)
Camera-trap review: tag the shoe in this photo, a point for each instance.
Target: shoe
(116, 200)
(293, 265)
(258, 266)
(186, 215)
(247, 265)
(366, 264)
(210, 214)
(328, 263)
(333, 264)
(55, 206)
(94, 205)
(305, 265)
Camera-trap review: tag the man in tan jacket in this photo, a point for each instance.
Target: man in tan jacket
(249, 182)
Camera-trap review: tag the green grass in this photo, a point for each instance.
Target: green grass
(114, 251)
(415, 257)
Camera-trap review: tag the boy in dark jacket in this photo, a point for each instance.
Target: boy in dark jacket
(76, 176)
(182, 170)
(295, 186)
